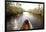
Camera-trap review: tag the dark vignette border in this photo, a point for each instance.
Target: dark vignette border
(25, 2)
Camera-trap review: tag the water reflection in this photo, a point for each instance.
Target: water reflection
(17, 22)
(27, 15)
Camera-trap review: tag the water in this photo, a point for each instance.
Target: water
(15, 23)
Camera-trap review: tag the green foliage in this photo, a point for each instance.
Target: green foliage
(36, 11)
(19, 10)
(14, 10)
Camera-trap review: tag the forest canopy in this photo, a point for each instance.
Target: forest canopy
(19, 10)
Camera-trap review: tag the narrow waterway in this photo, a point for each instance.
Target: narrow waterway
(15, 23)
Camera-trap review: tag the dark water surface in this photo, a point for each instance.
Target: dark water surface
(15, 23)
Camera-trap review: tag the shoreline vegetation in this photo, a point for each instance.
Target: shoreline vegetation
(17, 11)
